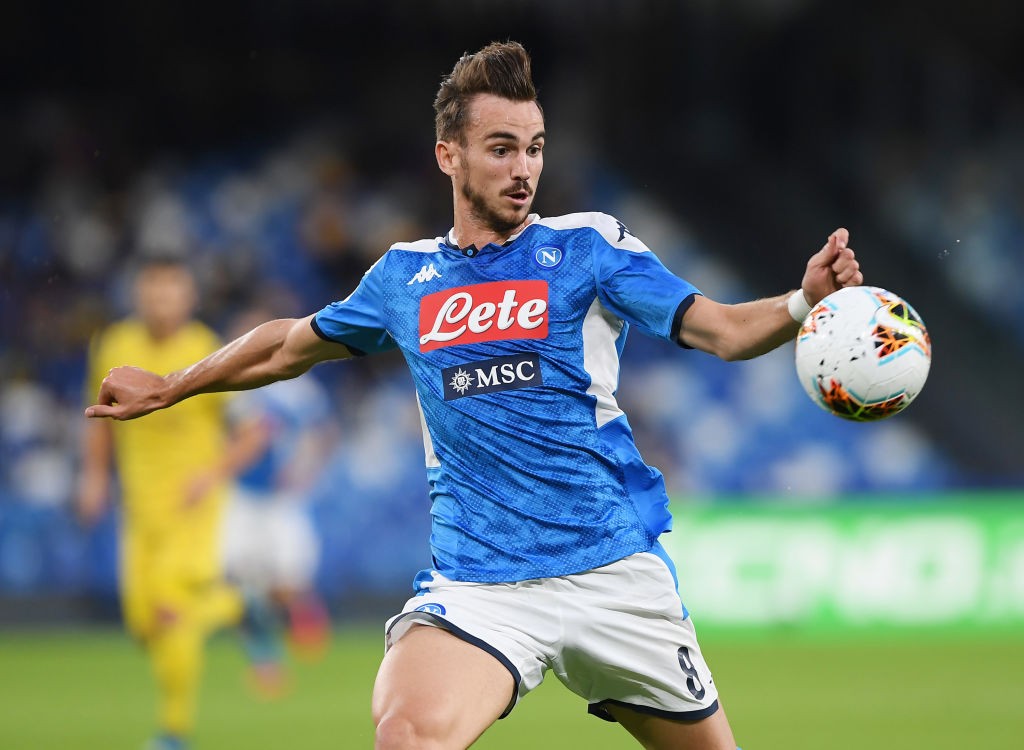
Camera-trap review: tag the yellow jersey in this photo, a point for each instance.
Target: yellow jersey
(158, 456)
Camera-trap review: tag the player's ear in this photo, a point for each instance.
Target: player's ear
(447, 154)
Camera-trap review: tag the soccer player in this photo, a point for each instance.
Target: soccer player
(271, 548)
(545, 518)
(172, 471)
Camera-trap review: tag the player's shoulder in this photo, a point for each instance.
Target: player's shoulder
(612, 230)
(401, 256)
(119, 342)
(120, 333)
(197, 333)
(423, 246)
(580, 220)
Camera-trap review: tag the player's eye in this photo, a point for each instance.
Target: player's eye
(535, 149)
(500, 150)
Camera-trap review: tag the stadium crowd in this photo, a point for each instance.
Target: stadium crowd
(293, 221)
(293, 225)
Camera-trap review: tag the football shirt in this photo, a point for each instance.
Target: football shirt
(514, 351)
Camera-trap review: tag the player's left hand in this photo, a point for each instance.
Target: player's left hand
(91, 500)
(127, 393)
(199, 488)
(830, 269)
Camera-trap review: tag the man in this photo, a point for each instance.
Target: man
(271, 548)
(545, 518)
(172, 470)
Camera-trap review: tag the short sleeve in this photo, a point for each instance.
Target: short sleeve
(358, 320)
(634, 284)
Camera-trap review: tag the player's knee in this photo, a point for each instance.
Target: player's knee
(401, 731)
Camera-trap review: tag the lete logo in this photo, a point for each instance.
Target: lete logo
(495, 311)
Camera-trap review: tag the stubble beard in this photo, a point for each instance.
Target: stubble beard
(491, 218)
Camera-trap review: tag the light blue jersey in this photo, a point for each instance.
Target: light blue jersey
(291, 411)
(514, 351)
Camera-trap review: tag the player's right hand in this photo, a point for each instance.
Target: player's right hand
(127, 393)
(830, 269)
(89, 506)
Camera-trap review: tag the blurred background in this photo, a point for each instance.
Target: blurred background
(281, 147)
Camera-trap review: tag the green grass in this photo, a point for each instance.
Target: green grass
(90, 690)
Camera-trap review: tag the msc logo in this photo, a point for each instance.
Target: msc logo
(432, 608)
(491, 375)
(495, 311)
(548, 257)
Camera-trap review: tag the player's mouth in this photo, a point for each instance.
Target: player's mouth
(520, 194)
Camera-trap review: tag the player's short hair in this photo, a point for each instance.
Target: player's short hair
(159, 261)
(162, 260)
(500, 68)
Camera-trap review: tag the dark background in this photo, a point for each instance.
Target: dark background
(764, 124)
(758, 125)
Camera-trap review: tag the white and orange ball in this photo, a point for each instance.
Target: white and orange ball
(863, 353)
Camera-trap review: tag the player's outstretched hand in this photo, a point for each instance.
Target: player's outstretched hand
(127, 393)
(830, 269)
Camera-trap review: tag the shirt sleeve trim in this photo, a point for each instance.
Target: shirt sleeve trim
(677, 319)
(320, 332)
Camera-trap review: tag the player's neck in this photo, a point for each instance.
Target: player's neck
(162, 332)
(468, 231)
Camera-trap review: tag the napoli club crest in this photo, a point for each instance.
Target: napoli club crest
(548, 257)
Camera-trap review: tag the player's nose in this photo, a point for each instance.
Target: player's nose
(521, 168)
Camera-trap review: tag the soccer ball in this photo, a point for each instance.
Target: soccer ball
(863, 353)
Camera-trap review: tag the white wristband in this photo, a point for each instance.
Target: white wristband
(798, 307)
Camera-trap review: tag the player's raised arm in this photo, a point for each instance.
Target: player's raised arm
(276, 350)
(750, 329)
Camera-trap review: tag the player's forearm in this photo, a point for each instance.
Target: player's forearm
(277, 350)
(268, 353)
(97, 449)
(249, 440)
(94, 476)
(741, 331)
(247, 443)
(760, 327)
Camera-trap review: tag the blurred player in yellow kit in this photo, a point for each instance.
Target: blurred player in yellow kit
(173, 472)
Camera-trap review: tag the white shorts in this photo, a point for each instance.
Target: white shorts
(617, 634)
(269, 542)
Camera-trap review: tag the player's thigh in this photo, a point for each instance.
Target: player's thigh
(135, 573)
(658, 733)
(434, 689)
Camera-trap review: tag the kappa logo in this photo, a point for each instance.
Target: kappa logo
(623, 231)
(425, 274)
(494, 311)
(491, 375)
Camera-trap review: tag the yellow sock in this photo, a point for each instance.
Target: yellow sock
(176, 653)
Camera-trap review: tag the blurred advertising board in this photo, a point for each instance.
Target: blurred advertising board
(949, 560)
